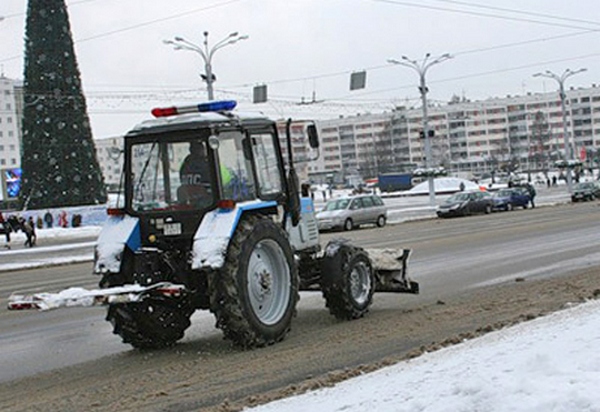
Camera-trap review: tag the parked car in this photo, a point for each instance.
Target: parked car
(585, 191)
(508, 199)
(466, 203)
(350, 212)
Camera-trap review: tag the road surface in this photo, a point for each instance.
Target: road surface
(476, 274)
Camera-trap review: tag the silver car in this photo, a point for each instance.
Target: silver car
(350, 212)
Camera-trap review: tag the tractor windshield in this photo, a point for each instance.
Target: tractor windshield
(171, 175)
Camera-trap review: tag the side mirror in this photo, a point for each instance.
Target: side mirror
(313, 136)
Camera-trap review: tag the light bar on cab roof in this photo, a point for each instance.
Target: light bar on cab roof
(216, 106)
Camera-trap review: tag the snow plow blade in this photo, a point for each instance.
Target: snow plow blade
(77, 297)
(391, 270)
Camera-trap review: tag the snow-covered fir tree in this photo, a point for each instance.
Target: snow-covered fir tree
(59, 161)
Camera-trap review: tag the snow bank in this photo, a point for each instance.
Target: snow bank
(549, 364)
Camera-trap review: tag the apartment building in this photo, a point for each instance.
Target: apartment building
(10, 136)
(469, 137)
(110, 157)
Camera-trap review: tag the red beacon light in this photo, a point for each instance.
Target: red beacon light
(216, 106)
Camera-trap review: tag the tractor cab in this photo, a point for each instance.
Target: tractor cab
(182, 165)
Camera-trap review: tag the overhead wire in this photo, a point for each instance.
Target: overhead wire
(378, 67)
(478, 14)
(139, 25)
(524, 12)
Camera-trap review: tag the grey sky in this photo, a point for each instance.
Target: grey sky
(301, 47)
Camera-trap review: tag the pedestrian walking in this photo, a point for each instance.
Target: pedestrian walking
(6, 229)
(33, 234)
(532, 193)
(28, 229)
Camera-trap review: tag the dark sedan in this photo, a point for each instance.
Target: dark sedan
(508, 199)
(585, 191)
(466, 203)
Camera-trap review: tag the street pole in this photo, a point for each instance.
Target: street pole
(207, 53)
(421, 69)
(569, 152)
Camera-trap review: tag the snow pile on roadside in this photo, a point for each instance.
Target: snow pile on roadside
(548, 364)
(443, 185)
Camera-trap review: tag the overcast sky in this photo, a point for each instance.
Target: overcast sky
(306, 48)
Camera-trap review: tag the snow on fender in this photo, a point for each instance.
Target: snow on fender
(215, 231)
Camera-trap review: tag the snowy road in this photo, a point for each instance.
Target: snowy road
(449, 257)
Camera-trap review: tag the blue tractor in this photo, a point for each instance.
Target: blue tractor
(212, 219)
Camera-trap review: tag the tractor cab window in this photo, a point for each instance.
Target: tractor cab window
(268, 170)
(173, 175)
(235, 162)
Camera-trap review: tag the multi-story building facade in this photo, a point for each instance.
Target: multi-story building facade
(469, 137)
(110, 157)
(10, 136)
(523, 132)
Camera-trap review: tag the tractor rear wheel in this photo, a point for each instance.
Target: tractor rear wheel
(254, 295)
(348, 280)
(153, 323)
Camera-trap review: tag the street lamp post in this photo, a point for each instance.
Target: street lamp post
(179, 43)
(421, 69)
(569, 152)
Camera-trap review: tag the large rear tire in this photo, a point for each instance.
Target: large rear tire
(155, 322)
(348, 280)
(254, 295)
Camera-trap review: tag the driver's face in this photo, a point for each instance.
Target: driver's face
(197, 148)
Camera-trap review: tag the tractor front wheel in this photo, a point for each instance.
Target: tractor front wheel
(348, 280)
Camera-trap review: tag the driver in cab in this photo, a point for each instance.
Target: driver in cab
(194, 176)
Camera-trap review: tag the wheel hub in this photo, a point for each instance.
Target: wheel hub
(268, 282)
(264, 281)
(360, 283)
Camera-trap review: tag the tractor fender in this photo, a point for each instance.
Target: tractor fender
(211, 240)
(117, 233)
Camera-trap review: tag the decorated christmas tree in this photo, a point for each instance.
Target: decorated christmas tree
(59, 161)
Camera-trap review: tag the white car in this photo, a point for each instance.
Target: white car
(350, 212)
